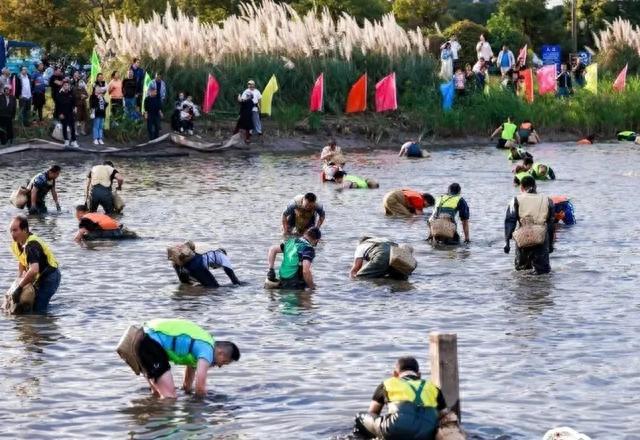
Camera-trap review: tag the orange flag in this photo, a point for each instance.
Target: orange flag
(527, 83)
(357, 99)
(621, 80)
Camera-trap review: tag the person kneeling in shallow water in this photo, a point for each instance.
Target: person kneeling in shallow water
(298, 254)
(96, 226)
(196, 266)
(180, 341)
(414, 406)
(411, 149)
(373, 259)
(348, 181)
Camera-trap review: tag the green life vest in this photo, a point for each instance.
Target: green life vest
(291, 258)
(180, 327)
(535, 168)
(359, 181)
(521, 175)
(447, 204)
(508, 130)
(627, 136)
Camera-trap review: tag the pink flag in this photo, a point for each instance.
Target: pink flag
(522, 56)
(210, 94)
(621, 80)
(386, 94)
(13, 85)
(546, 79)
(316, 102)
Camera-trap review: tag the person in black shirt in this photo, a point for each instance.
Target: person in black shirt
(55, 83)
(130, 91)
(564, 82)
(414, 406)
(66, 111)
(153, 112)
(577, 68)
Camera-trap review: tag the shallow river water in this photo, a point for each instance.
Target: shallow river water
(534, 352)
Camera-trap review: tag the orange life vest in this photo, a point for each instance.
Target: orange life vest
(414, 199)
(105, 222)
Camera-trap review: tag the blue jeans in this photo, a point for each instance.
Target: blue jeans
(45, 288)
(130, 107)
(98, 124)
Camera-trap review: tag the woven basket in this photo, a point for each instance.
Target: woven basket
(442, 227)
(27, 299)
(118, 202)
(530, 235)
(127, 347)
(401, 259)
(181, 254)
(19, 197)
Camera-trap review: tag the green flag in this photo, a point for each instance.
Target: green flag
(95, 68)
(145, 88)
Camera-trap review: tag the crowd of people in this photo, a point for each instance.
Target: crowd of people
(415, 404)
(470, 78)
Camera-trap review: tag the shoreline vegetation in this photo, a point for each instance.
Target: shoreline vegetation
(273, 39)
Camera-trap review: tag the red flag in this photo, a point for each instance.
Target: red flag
(621, 80)
(316, 102)
(386, 94)
(547, 79)
(522, 56)
(210, 94)
(357, 99)
(527, 82)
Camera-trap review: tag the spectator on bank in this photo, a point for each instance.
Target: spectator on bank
(483, 50)
(470, 78)
(505, 60)
(459, 82)
(129, 92)
(80, 96)
(256, 97)
(55, 83)
(39, 89)
(24, 86)
(161, 88)
(66, 113)
(578, 70)
(114, 88)
(153, 111)
(138, 74)
(177, 108)
(100, 86)
(5, 78)
(7, 114)
(455, 51)
(98, 106)
(564, 82)
(446, 62)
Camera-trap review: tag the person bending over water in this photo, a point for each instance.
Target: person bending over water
(372, 259)
(181, 342)
(414, 406)
(406, 202)
(411, 149)
(302, 213)
(198, 266)
(39, 186)
(349, 181)
(298, 254)
(97, 226)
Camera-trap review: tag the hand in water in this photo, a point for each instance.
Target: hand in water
(58, 208)
(467, 241)
(507, 248)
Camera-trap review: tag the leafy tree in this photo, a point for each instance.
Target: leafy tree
(504, 30)
(468, 34)
(419, 12)
(477, 12)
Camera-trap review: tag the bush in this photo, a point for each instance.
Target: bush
(468, 34)
(504, 31)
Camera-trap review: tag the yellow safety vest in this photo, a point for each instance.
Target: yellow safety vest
(21, 255)
(419, 392)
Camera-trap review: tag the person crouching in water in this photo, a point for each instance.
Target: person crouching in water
(414, 406)
(302, 213)
(530, 222)
(181, 342)
(411, 149)
(196, 267)
(298, 254)
(99, 183)
(348, 181)
(372, 259)
(97, 226)
(406, 202)
(442, 224)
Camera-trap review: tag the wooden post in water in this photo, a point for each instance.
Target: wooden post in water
(443, 356)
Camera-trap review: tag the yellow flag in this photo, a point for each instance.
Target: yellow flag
(591, 76)
(267, 96)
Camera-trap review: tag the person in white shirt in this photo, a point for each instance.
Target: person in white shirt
(483, 50)
(455, 51)
(257, 96)
(24, 95)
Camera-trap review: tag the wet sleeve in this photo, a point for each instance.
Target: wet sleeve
(289, 210)
(40, 181)
(308, 253)
(442, 404)
(551, 174)
(320, 210)
(379, 395)
(88, 225)
(463, 209)
(203, 350)
(511, 219)
(551, 219)
(34, 253)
